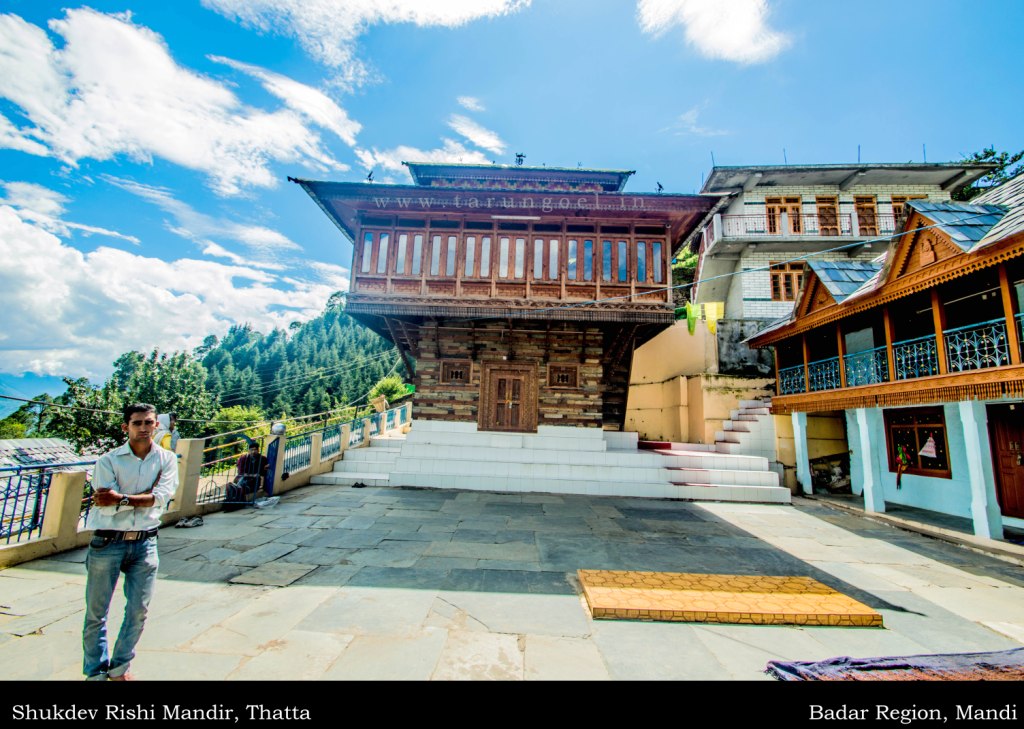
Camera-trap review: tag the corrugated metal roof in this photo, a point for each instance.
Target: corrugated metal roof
(964, 223)
(1011, 195)
(38, 451)
(842, 278)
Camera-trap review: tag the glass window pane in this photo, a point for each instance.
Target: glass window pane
(435, 255)
(382, 253)
(449, 268)
(588, 260)
(520, 257)
(623, 261)
(470, 253)
(485, 257)
(538, 259)
(641, 261)
(367, 252)
(553, 260)
(403, 243)
(570, 263)
(656, 263)
(417, 254)
(503, 260)
(606, 260)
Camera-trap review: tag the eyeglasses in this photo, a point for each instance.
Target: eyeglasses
(140, 423)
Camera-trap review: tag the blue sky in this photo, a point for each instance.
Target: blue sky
(144, 145)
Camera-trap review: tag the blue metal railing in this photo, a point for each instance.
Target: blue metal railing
(823, 374)
(24, 492)
(869, 367)
(331, 443)
(791, 380)
(356, 435)
(298, 452)
(916, 357)
(403, 417)
(977, 346)
(389, 421)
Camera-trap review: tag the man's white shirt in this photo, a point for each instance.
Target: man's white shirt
(126, 473)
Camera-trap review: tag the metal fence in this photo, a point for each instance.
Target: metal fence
(331, 444)
(298, 452)
(24, 491)
(220, 469)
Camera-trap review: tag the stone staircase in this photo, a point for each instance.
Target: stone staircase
(370, 465)
(750, 430)
(442, 454)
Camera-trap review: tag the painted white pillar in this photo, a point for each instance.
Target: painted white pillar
(854, 222)
(803, 464)
(716, 227)
(988, 520)
(784, 223)
(867, 442)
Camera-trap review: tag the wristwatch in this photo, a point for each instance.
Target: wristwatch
(123, 502)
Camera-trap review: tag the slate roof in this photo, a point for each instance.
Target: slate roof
(842, 278)
(1011, 195)
(38, 451)
(965, 223)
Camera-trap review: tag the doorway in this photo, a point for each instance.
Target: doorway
(508, 398)
(1006, 434)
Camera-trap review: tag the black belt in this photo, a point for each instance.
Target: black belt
(125, 536)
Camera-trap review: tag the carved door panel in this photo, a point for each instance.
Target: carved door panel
(509, 400)
(828, 216)
(867, 214)
(775, 206)
(1006, 431)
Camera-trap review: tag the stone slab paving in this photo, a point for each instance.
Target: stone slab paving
(339, 583)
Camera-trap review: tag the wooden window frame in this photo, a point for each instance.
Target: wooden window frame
(932, 418)
(862, 202)
(554, 369)
(450, 366)
(775, 206)
(901, 201)
(825, 202)
(794, 271)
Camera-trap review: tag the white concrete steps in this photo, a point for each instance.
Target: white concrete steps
(733, 492)
(722, 477)
(350, 478)
(370, 465)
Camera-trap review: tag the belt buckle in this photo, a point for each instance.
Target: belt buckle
(132, 536)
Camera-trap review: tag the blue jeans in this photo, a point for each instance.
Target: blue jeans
(105, 562)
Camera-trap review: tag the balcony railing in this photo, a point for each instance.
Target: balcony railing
(869, 367)
(823, 374)
(1020, 333)
(916, 357)
(791, 380)
(813, 225)
(977, 346)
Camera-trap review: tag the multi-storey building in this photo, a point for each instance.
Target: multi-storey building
(772, 220)
(920, 354)
(516, 295)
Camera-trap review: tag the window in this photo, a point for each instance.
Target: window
(520, 260)
(656, 263)
(775, 207)
(455, 373)
(553, 259)
(786, 278)
(417, 254)
(403, 244)
(503, 258)
(641, 261)
(538, 259)
(449, 269)
(435, 255)
(898, 201)
(570, 260)
(485, 257)
(623, 261)
(382, 253)
(470, 255)
(563, 376)
(606, 260)
(588, 260)
(367, 252)
(910, 431)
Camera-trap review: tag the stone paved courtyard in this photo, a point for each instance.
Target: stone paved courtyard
(376, 583)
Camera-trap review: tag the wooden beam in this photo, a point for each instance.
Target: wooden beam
(939, 320)
(841, 348)
(889, 336)
(807, 373)
(1012, 340)
(401, 352)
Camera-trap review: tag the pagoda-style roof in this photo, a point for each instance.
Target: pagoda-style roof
(516, 177)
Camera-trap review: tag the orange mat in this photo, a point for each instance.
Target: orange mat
(697, 598)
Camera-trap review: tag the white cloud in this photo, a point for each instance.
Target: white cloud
(391, 159)
(687, 124)
(312, 103)
(732, 30)
(470, 102)
(72, 313)
(193, 225)
(328, 30)
(113, 89)
(477, 134)
(45, 207)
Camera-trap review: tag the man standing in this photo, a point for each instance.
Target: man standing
(132, 486)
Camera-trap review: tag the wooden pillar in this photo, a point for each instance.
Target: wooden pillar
(841, 348)
(807, 373)
(778, 384)
(888, 343)
(939, 318)
(1012, 339)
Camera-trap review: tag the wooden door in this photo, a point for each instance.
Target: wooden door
(775, 206)
(509, 399)
(828, 216)
(867, 214)
(1006, 432)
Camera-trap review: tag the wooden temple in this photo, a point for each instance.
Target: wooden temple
(516, 295)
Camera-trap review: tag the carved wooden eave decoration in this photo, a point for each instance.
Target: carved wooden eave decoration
(988, 384)
(919, 249)
(912, 281)
(815, 296)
